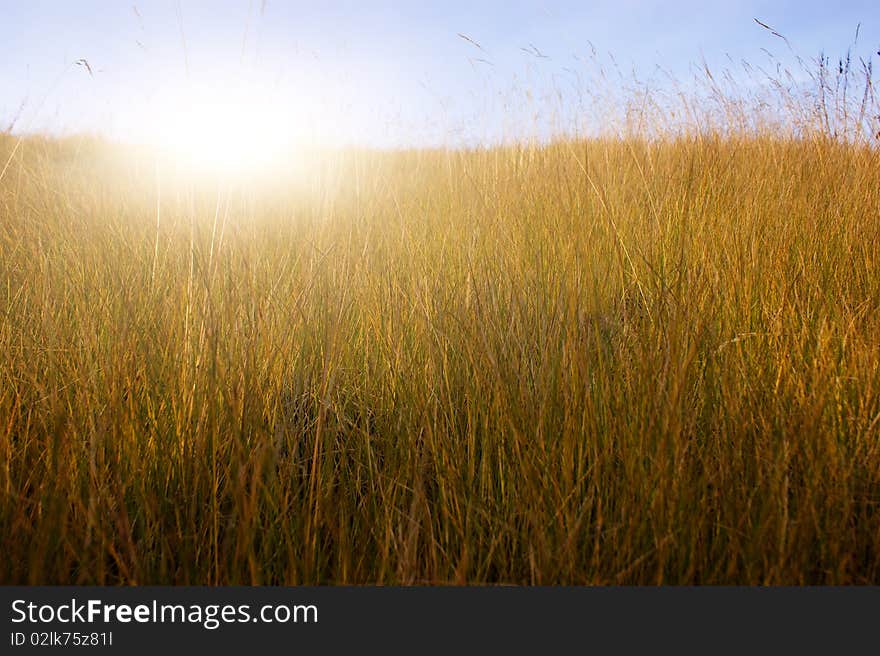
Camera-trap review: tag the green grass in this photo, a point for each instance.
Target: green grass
(593, 361)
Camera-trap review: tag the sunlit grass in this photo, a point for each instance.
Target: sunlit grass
(621, 360)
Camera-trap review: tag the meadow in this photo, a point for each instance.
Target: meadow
(631, 359)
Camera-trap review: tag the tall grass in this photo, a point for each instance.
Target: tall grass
(646, 358)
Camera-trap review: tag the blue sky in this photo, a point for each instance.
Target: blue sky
(377, 72)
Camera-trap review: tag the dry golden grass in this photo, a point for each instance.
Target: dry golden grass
(593, 361)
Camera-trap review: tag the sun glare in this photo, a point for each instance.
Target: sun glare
(226, 132)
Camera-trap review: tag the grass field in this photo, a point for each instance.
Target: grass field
(607, 360)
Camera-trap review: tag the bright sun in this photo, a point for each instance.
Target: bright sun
(228, 132)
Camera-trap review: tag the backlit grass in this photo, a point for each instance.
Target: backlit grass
(609, 360)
